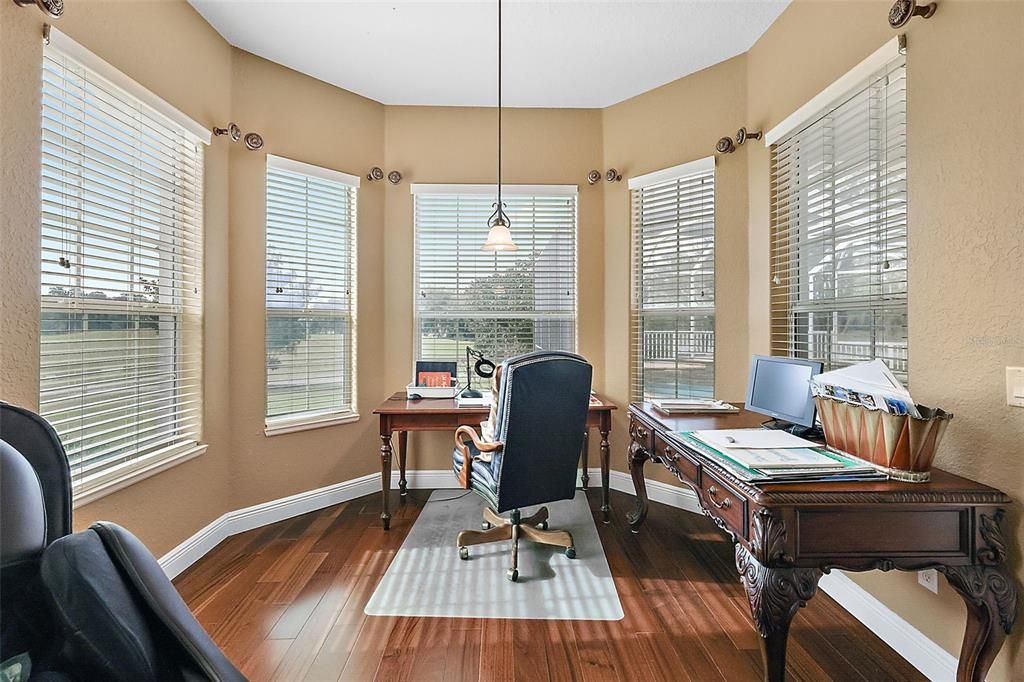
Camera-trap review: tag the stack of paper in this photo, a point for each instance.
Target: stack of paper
(779, 465)
(767, 449)
(870, 384)
(693, 406)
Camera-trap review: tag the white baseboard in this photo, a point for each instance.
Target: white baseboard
(241, 520)
(928, 657)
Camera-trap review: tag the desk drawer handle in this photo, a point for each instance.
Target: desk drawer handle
(724, 504)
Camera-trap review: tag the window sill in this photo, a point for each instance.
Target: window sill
(116, 479)
(279, 428)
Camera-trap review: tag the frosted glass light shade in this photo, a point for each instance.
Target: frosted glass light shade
(499, 239)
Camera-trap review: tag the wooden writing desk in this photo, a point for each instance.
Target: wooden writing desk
(787, 535)
(402, 415)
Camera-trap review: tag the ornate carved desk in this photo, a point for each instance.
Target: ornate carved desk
(401, 415)
(787, 535)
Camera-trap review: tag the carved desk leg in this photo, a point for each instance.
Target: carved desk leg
(606, 427)
(403, 444)
(991, 599)
(636, 458)
(585, 460)
(774, 594)
(385, 475)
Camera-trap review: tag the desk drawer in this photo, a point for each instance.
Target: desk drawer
(674, 459)
(641, 435)
(725, 503)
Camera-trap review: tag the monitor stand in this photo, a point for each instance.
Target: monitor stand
(809, 432)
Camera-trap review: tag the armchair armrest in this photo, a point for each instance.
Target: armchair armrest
(462, 434)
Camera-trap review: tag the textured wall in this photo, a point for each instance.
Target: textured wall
(144, 42)
(307, 120)
(20, 45)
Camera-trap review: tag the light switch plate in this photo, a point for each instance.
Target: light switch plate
(1015, 386)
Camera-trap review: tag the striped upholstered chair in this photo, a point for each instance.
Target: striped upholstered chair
(543, 399)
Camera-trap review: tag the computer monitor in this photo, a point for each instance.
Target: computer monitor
(781, 388)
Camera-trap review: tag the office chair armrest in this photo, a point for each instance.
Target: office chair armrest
(461, 434)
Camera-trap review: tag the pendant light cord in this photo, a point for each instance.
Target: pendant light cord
(499, 108)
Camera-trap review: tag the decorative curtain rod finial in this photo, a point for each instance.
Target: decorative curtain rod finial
(902, 11)
(232, 131)
(725, 145)
(253, 142)
(594, 177)
(613, 175)
(51, 8)
(742, 136)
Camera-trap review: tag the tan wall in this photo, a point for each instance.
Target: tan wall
(171, 50)
(304, 119)
(457, 145)
(673, 124)
(966, 238)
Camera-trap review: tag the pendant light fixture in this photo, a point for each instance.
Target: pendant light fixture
(498, 237)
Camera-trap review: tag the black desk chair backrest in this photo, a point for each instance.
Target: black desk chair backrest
(542, 414)
(90, 605)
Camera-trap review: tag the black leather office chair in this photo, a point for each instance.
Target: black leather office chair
(543, 399)
(93, 605)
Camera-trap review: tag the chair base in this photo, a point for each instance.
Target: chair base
(533, 528)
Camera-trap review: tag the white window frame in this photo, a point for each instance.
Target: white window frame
(888, 246)
(489, 190)
(315, 419)
(135, 466)
(699, 168)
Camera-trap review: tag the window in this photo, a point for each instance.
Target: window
(311, 296)
(839, 228)
(673, 309)
(502, 304)
(121, 304)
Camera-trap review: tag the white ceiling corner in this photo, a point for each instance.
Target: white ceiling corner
(557, 53)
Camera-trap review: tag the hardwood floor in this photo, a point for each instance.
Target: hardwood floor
(286, 603)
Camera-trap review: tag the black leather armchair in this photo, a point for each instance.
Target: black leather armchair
(543, 399)
(85, 606)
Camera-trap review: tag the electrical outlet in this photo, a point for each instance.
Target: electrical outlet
(929, 580)
(1015, 386)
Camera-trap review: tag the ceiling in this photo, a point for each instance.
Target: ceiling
(567, 53)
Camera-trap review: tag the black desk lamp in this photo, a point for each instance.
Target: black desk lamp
(483, 368)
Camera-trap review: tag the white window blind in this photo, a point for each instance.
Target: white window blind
(311, 293)
(121, 312)
(502, 304)
(673, 307)
(839, 230)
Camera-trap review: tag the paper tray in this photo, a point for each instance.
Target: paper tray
(900, 445)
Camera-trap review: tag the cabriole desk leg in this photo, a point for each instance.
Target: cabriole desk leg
(636, 457)
(991, 599)
(775, 595)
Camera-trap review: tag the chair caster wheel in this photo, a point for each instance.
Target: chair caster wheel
(513, 574)
(464, 553)
(570, 552)
(543, 525)
(486, 525)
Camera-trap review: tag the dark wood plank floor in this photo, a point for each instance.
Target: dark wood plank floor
(286, 603)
